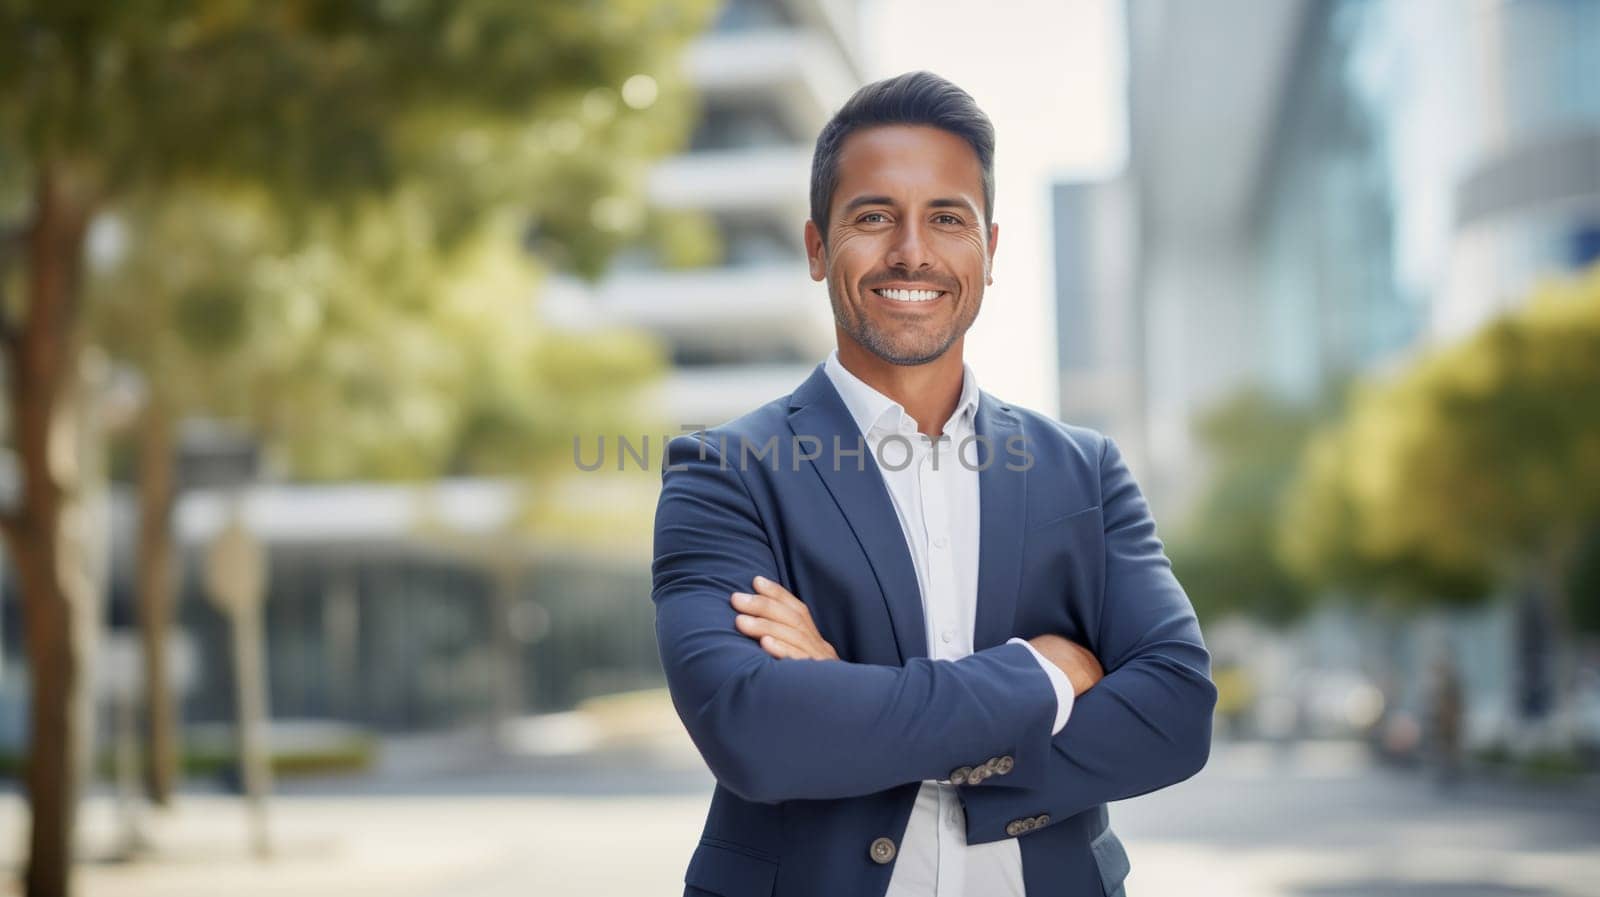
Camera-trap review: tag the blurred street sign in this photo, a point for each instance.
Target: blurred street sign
(236, 569)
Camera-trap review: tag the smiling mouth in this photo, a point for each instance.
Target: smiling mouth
(909, 296)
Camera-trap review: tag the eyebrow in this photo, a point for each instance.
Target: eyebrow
(943, 202)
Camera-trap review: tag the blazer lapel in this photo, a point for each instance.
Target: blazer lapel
(818, 411)
(1001, 500)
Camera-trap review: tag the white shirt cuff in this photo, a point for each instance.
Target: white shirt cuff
(1058, 681)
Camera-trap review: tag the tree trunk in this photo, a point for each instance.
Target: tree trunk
(1535, 691)
(1554, 564)
(1546, 644)
(56, 594)
(506, 698)
(155, 589)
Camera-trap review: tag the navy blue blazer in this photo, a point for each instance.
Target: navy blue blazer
(817, 761)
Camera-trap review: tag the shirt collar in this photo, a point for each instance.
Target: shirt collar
(872, 410)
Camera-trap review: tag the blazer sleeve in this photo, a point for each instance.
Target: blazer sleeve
(1147, 724)
(773, 730)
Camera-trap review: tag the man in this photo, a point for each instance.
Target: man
(919, 635)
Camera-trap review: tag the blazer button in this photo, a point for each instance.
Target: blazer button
(960, 776)
(1004, 764)
(1014, 827)
(882, 851)
(978, 774)
(1043, 819)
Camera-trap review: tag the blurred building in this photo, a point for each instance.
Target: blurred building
(1207, 85)
(1324, 188)
(406, 606)
(748, 328)
(1100, 324)
(398, 607)
(1525, 201)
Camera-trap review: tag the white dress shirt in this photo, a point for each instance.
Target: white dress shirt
(936, 499)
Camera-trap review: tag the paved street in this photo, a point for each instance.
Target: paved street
(1316, 820)
(1313, 820)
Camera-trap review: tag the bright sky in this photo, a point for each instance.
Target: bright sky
(1050, 76)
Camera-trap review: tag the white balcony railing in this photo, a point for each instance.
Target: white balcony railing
(799, 68)
(708, 396)
(765, 308)
(758, 179)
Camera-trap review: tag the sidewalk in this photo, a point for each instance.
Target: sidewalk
(397, 847)
(1312, 820)
(608, 799)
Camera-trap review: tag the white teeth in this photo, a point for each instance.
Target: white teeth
(909, 295)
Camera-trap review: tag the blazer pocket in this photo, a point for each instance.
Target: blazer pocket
(730, 870)
(1057, 518)
(1112, 860)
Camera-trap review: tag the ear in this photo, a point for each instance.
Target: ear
(988, 262)
(816, 253)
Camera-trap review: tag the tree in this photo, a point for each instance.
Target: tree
(1324, 535)
(1224, 555)
(364, 351)
(320, 106)
(1479, 464)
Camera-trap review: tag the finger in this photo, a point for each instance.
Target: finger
(768, 607)
(782, 650)
(756, 627)
(794, 641)
(782, 595)
(791, 651)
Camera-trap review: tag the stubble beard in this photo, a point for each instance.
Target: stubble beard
(858, 324)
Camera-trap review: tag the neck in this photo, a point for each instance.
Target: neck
(928, 392)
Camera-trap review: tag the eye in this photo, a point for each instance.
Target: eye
(947, 218)
(867, 218)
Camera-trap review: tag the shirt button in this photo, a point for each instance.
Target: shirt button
(947, 636)
(940, 541)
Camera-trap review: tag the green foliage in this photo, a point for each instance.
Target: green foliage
(360, 347)
(1583, 582)
(1479, 463)
(467, 106)
(1322, 539)
(321, 211)
(1223, 556)
(685, 238)
(312, 97)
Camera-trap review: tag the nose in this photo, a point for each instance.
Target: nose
(909, 248)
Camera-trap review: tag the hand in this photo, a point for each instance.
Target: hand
(1079, 663)
(780, 622)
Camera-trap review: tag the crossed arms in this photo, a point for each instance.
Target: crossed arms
(776, 729)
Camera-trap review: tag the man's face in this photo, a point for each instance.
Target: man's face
(908, 254)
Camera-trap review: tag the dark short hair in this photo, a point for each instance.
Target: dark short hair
(914, 98)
